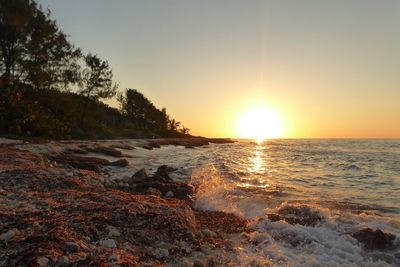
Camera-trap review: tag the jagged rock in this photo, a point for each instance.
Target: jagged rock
(108, 243)
(163, 171)
(42, 261)
(302, 215)
(106, 150)
(374, 239)
(139, 176)
(120, 163)
(180, 190)
(147, 147)
(7, 235)
(72, 247)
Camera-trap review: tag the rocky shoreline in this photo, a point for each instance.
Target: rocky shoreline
(59, 206)
(56, 209)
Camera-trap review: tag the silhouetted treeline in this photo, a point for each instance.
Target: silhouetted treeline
(50, 88)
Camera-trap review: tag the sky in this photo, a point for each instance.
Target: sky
(325, 69)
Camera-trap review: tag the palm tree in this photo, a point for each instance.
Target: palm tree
(174, 125)
(184, 130)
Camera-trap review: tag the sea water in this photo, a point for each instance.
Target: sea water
(350, 184)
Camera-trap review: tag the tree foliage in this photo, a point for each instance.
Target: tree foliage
(136, 107)
(96, 81)
(33, 50)
(38, 68)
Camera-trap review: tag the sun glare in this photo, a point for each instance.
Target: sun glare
(260, 123)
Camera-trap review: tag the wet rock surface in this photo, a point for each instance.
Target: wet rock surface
(55, 215)
(374, 239)
(302, 215)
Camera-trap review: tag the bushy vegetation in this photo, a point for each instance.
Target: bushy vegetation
(50, 89)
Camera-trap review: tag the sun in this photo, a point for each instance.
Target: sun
(260, 123)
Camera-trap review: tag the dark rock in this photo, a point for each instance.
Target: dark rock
(85, 166)
(179, 190)
(106, 150)
(163, 172)
(76, 150)
(78, 162)
(139, 176)
(147, 147)
(120, 163)
(72, 247)
(302, 215)
(374, 239)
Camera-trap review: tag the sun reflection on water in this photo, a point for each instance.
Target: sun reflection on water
(257, 162)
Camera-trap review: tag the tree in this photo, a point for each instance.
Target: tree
(174, 125)
(33, 50)
(184, 130)
(143, 113)
(96, 80)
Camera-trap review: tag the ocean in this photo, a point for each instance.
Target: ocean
(333, 188)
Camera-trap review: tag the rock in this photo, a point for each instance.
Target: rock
(120, 163)
(7, 235)
(302, 215)
(108, 243)
(85, 166)
(160, 253)
(106, 150)
(189, 146)
(374, 239)
(147, 147)
(42, 261)
(76, 150)
(163, 172)
(169, 194)
(72, 247)
(78, 162)
(139, 176)
(113, 231)
(180, 190)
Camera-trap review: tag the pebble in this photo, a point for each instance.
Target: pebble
(169, 194)
(160, 253)
(42, 261)
(7, 235)
(108, 243)
(113, 231)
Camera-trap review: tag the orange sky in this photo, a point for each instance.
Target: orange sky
(328, 69)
